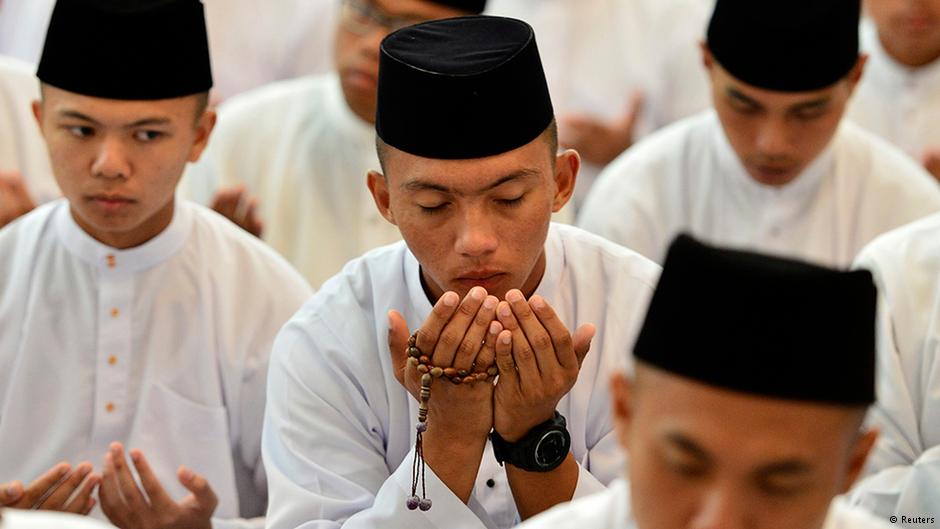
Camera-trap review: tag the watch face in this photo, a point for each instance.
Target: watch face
(552, 448)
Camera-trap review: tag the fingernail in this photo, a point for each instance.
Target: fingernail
(537, 302)
(505, 339)
(494, 327)
(490, 303)
(513, 295)
(13, 490)
(504, 311)
(450, 299)
(186, 474)
(477, 293)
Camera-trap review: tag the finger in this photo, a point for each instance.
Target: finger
(109, 494)
(487, 356)
(17, 187)
(159, 499)
(557, 332)
(10, 493)
(252, 222)
(472, 343)
(57, 500)
(522, 355)
(41, 487)
(226, 203)
(454, 331)
(582, 341)
(634, 106)
(203, 499)
(79, 503)
(129, 490)
(429, 333)
(504, 361)
(397, 343)
(535, 334)
(89, 505)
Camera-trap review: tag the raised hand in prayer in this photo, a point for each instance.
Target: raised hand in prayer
(127, 507)
(15, 200)
(457, 335)
(538, 363)
(236, 205)
(52, 490)
(596, 140)
(931, 162)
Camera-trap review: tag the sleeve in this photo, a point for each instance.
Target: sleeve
(324, 445)
(903, 475)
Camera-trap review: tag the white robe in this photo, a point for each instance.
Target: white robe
(339, 428)
(898, 103)
(597, 52)
(162, 347)
(688, 179)
(23, 519)
(611, 510)
(22, 147)
(904, 470)
(302, 152)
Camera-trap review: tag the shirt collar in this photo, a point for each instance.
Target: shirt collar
(101, 256)
(548, 286)
(884, 70)
(733, 171)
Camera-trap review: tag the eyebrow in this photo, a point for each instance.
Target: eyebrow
(734, 93)
(687, 445)
(418, 185)
(816, 103)
(139, 123)
(788, 466)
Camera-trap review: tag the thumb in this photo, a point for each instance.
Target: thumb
(10, 492)
(634, 106)
(582, 341)
(504, 361)
(203, 498)
(398, 342)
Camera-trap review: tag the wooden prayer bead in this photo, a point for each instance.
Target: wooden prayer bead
(493, 371)
(450, 372)
(412, 361)
(422, 368)
(462, 373)
(469, 380)
(426, 380)
(424, 359)
(481, 377)
(414, 352)
(436, 372)
(456, 380)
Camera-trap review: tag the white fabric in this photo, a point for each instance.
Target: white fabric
(302, 152)
(688, 179)
(899, 103)
(597, 52)
(20, 519)
(904, 470)
(252, 42)
(165, 351)
(22, 147)
(610, 509)
(339, 435)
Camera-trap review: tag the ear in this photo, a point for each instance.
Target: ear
(707, 59)
(567, 165)
(863, 447)
(621, 392)
(378, 186)
(37, 113)
(204, 127)
(855, 75)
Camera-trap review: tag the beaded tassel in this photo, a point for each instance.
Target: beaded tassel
(417, 469)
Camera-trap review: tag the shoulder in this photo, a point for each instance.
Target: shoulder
(594, 256)
(602, 510)
(844, 516)
(885, 163)
(905, 254)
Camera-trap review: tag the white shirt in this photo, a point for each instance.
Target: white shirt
(339, 428)
(899, 103)
(596, 53)
(611, 509)
(22, 519)
(298, 148)
(689, 179)
(22, 147)
(904, 470)
(162, 347)
(252, 42)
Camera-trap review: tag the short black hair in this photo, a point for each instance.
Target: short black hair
(550, 135)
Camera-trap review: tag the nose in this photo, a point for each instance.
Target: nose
(111, 160)
(719, 510)
(477, 236)
(773, 137)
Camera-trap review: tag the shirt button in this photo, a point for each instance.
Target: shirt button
(109, 407)
(112, 360)
(490, 483)
(112, 261)
(115, 312)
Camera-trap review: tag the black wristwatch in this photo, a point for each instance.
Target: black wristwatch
(543, 449)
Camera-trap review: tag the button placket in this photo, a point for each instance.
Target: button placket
(115, 293)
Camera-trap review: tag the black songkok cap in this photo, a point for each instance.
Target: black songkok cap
(762, 325)
(785, 45)
(127, 49)
(462, 88)
(470, 6)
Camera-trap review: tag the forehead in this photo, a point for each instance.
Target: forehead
(733, 423)
(59, 103)
(730, 85)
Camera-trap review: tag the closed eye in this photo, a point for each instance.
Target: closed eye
(80, 131)
(434, 209)
(511, 202)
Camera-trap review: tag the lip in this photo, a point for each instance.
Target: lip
(772, 174)
(111, 203)
(480, 278)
